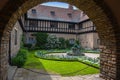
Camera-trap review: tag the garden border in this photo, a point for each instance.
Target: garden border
(77, 60)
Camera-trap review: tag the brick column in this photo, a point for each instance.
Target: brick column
(3, 59)
(118, 66)
(108, 64)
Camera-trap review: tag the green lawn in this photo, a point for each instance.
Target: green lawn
(58, 67)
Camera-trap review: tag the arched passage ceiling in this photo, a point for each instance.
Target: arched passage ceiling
(114, 5)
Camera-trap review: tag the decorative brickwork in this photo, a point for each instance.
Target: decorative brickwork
(99, 13)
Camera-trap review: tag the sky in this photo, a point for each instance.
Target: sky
(57, 4)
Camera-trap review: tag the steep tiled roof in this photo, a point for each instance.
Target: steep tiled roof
(56, 14)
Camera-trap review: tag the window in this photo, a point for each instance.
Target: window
(84, 14)
(80, 26)
(33, 23)
(32, 34)
(15, 37)
(34, 11)
(71, 26)
(85, 24)
(54, 25)
(98, 41)
(69, 15)
(31, 40)
(71, 41)
(52, 13)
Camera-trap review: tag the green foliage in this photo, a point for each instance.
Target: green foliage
(77, 42)
(23, 53)
(45, 41)
(58, 51)
(52, 42)
(23, 45)
(18, 61)
(86, 60)
(90, 62)
(62, 43)
(41, 39)
(20, 58)
(53, 57)
(63, 68)
(28, 45)
(68, 45)
(53, 51)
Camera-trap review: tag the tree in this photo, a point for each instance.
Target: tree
(77, 42)
(52, 42)
(62, 43)
(41, 39)
(68, 45)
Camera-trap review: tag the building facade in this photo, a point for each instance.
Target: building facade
(67, 23)
(15, 39)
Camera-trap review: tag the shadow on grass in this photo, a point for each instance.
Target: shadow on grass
(32, 73)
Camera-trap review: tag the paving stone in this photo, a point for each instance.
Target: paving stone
(65, 78)
(76, 78)
(23, 74)
(11, 72)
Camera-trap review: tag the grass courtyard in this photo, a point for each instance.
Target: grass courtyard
(63, 68)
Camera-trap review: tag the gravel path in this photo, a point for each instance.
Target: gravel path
(92, 55)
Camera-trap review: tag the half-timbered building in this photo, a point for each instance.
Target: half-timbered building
(69, 23)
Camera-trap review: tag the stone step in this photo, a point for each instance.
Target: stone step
(11, 72)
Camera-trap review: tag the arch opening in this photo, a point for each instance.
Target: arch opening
(103, 20)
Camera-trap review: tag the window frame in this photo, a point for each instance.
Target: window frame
(54, 25)
(15, 36)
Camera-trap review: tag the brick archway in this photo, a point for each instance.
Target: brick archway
(96, 10)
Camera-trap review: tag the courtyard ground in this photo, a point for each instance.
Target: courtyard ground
(32, 73)
(25, 74)
(63, 68)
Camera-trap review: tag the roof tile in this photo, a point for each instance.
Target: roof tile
(61, 14)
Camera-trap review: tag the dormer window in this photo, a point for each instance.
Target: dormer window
(69, 15)
(52, 13)
(33, 11)
(84, 14)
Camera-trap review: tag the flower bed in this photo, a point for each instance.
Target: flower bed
(54, 57)
(86, 60)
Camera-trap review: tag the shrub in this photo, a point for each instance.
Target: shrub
(52, 42)
(62, 43)
(68, 45)
(20, 58)
(28, 45)
(41, 39)
(22, 53)
(18, 61)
